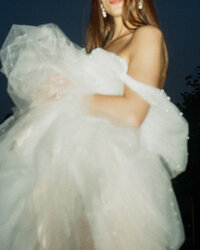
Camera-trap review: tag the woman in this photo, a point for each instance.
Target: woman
(144, 51)
(88, 155)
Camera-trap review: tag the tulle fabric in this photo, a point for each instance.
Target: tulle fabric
(70, 179)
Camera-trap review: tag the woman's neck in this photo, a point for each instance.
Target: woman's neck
(120, 30)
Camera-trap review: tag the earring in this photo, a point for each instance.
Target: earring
(140, 5)
(103, 11)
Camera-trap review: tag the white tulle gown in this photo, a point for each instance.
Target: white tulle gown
(70, 179)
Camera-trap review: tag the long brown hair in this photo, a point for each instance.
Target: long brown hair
(100, 30)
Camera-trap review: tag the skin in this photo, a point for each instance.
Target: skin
(143, 50)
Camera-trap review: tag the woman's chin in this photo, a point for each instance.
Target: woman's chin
(116, 14)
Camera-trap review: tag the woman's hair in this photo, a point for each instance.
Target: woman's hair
(101, 30)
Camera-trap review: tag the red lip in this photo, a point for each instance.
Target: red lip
(115, 1)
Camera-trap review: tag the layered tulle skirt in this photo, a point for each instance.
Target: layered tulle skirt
(71, 180)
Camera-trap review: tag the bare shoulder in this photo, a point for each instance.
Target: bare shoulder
(145, 37)
(149, 29)
(146, 55)
(147, 32)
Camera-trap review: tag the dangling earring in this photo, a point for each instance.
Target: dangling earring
(103, 11)
(140, 5)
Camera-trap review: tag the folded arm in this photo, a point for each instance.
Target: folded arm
(145, 65)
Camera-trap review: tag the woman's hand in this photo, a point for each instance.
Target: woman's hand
(58, 86)
(55, 87)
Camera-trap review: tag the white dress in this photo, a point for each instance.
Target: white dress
(70, 179)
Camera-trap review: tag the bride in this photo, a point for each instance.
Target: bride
(87, 158)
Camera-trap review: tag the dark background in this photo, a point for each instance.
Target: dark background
(180, 23)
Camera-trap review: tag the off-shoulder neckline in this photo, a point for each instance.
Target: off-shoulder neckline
(122, 60)
(125, 65)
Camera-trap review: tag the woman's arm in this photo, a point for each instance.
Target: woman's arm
(145, 65)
